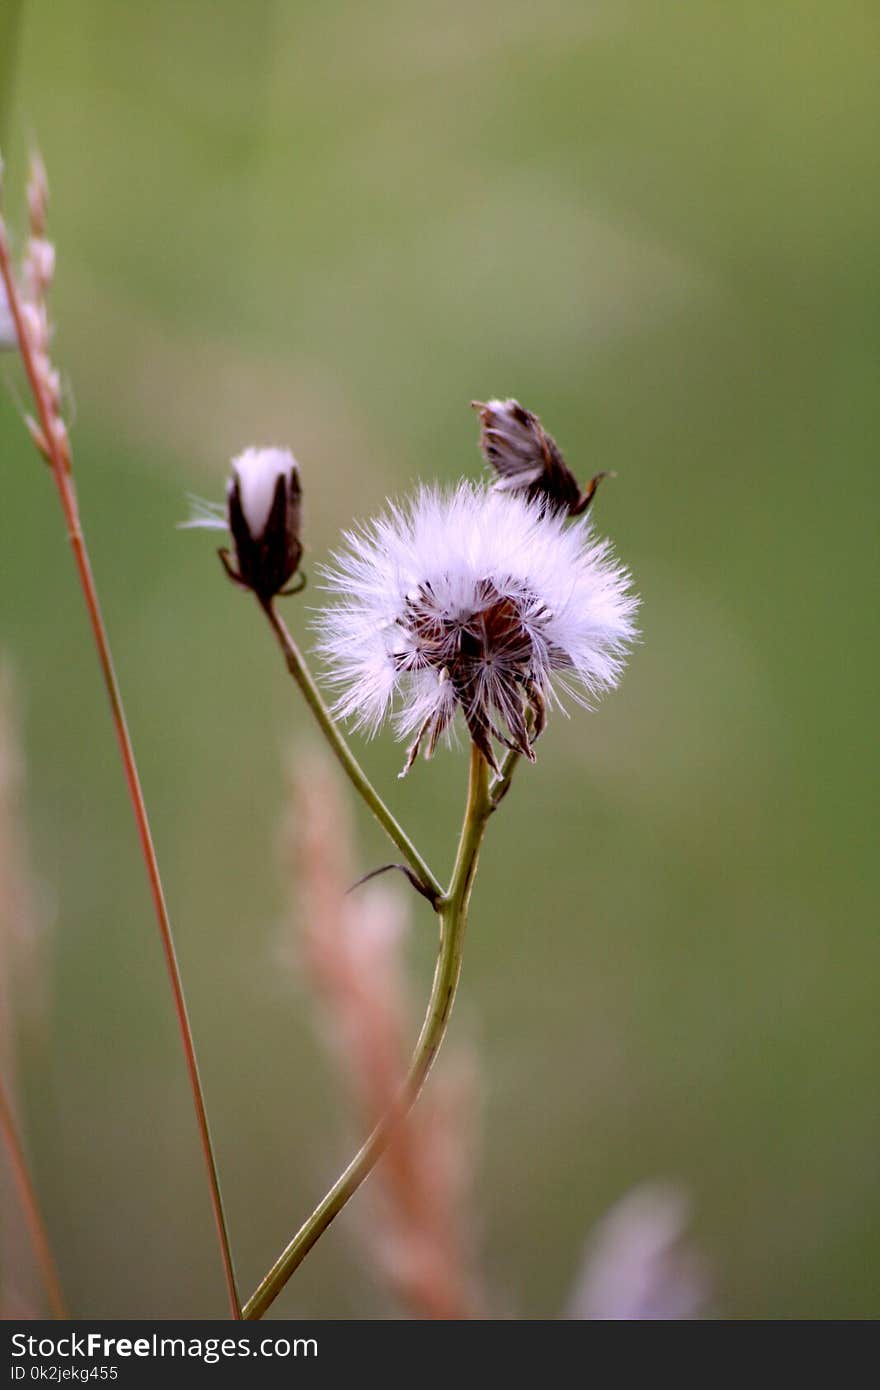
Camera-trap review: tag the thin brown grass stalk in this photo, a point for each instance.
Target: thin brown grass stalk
(351, 947)
(49, 433)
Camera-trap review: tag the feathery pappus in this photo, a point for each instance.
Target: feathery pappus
(476, 601)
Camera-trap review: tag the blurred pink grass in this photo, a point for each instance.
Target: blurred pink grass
(24, 1244)
(351, 949)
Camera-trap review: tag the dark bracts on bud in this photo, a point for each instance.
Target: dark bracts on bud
(269, 560)
(527, 459)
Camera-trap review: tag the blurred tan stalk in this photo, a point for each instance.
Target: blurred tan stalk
(21, 933)
(351, 948)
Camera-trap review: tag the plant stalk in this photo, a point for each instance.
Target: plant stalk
(67, 495)
(31, 1208)
(453, 912)
(501, 782)
(297, 667)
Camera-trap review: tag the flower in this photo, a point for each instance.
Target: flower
(640, 1263)
(263, 513)
(478, 601)
(526, 458)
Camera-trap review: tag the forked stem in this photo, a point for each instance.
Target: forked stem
(297, 667)
(30, 1205)
(453, 910)
(59, 463)
(502, 779)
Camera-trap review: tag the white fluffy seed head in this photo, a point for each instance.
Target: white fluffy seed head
(473, 600)
(257, 472)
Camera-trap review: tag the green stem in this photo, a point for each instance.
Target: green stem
(363, 786)
(453, 911)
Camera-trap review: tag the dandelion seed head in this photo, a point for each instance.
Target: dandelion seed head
(477, 601)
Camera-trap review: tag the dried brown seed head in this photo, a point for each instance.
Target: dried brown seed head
(527, 459)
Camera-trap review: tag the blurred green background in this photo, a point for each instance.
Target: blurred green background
(331, 226)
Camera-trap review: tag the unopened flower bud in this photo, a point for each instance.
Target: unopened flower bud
(264, 500)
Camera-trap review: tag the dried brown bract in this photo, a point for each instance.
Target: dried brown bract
(527, 459)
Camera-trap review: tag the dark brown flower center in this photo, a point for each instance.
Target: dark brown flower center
(486, 655)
